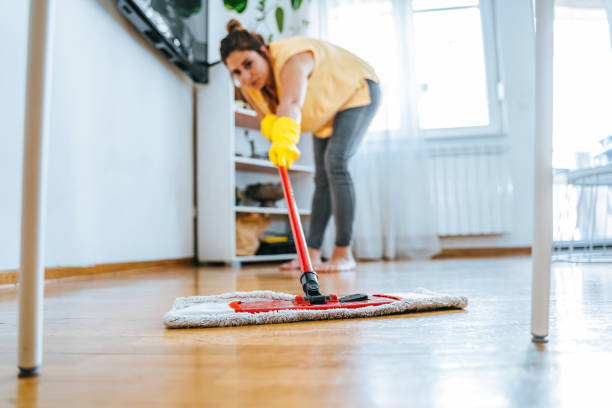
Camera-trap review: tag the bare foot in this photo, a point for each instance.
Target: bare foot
(315, 259)
(337, 266)
(341, 260)
(289, 266)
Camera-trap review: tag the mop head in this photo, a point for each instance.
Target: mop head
(267, 307)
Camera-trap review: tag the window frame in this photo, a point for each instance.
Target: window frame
(494, 85)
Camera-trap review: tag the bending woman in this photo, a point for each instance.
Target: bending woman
(302, 84)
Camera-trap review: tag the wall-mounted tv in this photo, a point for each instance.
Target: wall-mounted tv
(176, 28)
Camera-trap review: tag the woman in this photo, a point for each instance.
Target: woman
(302, 84)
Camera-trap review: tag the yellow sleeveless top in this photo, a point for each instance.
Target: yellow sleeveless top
(337, 82)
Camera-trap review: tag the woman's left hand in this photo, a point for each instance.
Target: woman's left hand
(283, 154)
(285, 136)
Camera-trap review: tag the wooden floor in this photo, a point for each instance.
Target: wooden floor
(105, 345)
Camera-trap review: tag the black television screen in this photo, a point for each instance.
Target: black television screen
(177, 28)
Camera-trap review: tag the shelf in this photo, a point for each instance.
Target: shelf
(267, 210)
(246, 118)
(245, 111)
(247, 163)
(228, 126)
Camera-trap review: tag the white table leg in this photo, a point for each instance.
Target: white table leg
(31, 274)
(543, 182)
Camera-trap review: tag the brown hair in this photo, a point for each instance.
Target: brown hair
(238, 38)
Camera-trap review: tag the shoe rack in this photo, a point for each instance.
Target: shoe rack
(231, 154)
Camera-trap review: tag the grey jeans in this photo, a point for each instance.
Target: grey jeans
(334, 191)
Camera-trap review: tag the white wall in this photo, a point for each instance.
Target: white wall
(12, 96)
(120, 176)
(516, 53)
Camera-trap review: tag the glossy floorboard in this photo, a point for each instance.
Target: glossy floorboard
(105, 345)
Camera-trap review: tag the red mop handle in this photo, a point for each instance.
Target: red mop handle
(296, 225)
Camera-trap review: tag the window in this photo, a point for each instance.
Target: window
(365, 29)
(582, 86)
(455, 67)
(454, 56)
(582, 102)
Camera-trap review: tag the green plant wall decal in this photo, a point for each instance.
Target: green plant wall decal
(264, 8)
(237, 5)
(280, 18)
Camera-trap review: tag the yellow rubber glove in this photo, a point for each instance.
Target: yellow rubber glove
(266, 125)
(285, 135)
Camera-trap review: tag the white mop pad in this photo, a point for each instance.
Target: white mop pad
(214, 311)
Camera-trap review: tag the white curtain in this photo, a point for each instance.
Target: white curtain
(395, 216)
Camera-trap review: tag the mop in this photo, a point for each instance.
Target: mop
(266, 307)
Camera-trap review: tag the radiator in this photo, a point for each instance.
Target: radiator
(472, 189)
